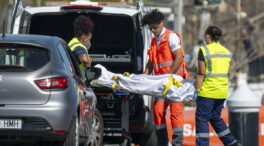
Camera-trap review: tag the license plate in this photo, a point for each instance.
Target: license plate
(10, 123)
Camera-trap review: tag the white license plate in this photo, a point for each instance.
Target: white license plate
(10, 123)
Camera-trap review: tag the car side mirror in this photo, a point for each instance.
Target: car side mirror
(92, 73)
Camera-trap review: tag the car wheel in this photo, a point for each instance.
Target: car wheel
(149, 139)
(97, 130)
(73, 136)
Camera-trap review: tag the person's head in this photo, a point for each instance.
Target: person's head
(154, 20)
(83, 27)
(212, 34)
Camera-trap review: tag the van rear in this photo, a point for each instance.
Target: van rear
(117, 44)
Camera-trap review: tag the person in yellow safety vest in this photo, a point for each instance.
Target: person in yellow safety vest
(80, 44)
(212, 86)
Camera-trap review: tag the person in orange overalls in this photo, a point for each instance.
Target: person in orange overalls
(166, 56)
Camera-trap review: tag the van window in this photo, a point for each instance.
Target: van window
(22, 58)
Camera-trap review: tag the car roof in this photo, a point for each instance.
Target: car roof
(26, 39)
(106, 9)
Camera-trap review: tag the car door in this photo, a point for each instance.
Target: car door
(87, 98)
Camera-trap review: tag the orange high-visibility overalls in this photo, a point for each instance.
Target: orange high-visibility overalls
(162, 59)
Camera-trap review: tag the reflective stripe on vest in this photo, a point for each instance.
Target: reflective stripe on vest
(208, 57)
(217, 62)
(164, 64)
(162, 57)
(73, 44)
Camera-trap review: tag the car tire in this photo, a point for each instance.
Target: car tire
(73, 136)
(148, 139)
(97, 130)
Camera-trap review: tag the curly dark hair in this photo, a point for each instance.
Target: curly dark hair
(82, 25)
(152, 17)
(214, 32)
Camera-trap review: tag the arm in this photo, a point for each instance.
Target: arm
(177, 61)
(201, 70)
(83, 56)
(85, 60)
(176, 50)
(149, 68)
(200, 75)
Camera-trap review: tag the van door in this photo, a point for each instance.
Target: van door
(17, 12)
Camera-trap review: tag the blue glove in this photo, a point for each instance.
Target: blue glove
(195, 94)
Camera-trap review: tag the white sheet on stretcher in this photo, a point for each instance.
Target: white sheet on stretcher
(146, 85)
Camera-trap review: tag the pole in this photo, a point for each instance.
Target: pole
(179, 17)
(205, 20)
(178, 8)
(238, 10)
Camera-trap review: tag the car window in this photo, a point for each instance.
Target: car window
(66, 59)
(72, 59)
(22, 58)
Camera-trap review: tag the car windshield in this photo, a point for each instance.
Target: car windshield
(22, 58)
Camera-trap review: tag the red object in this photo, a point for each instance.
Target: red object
(176, 115)
(97, 8)
(136, 127)
(52, 83)
(59, 132)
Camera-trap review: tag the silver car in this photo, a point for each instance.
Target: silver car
(43, 98)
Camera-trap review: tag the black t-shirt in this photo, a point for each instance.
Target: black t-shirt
(200, 56)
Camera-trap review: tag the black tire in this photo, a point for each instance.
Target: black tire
(73, 136)
(97, 130)
(148, 139)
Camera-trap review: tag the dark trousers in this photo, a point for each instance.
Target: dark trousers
(209, 110)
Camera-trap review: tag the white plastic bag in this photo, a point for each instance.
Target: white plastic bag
(168, 86)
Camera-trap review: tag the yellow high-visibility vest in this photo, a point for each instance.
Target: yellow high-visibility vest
(217, 62)
(74, 43)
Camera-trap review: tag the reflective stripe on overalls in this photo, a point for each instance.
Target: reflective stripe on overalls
(162, 59)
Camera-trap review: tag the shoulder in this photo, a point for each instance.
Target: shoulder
(202, 49)
(174, 41)
(79, 50)
(73, 40)
(174, 36)
(200, 55)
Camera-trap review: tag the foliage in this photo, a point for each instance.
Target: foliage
(3, 2)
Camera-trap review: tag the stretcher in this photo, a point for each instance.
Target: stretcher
(169, 86)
